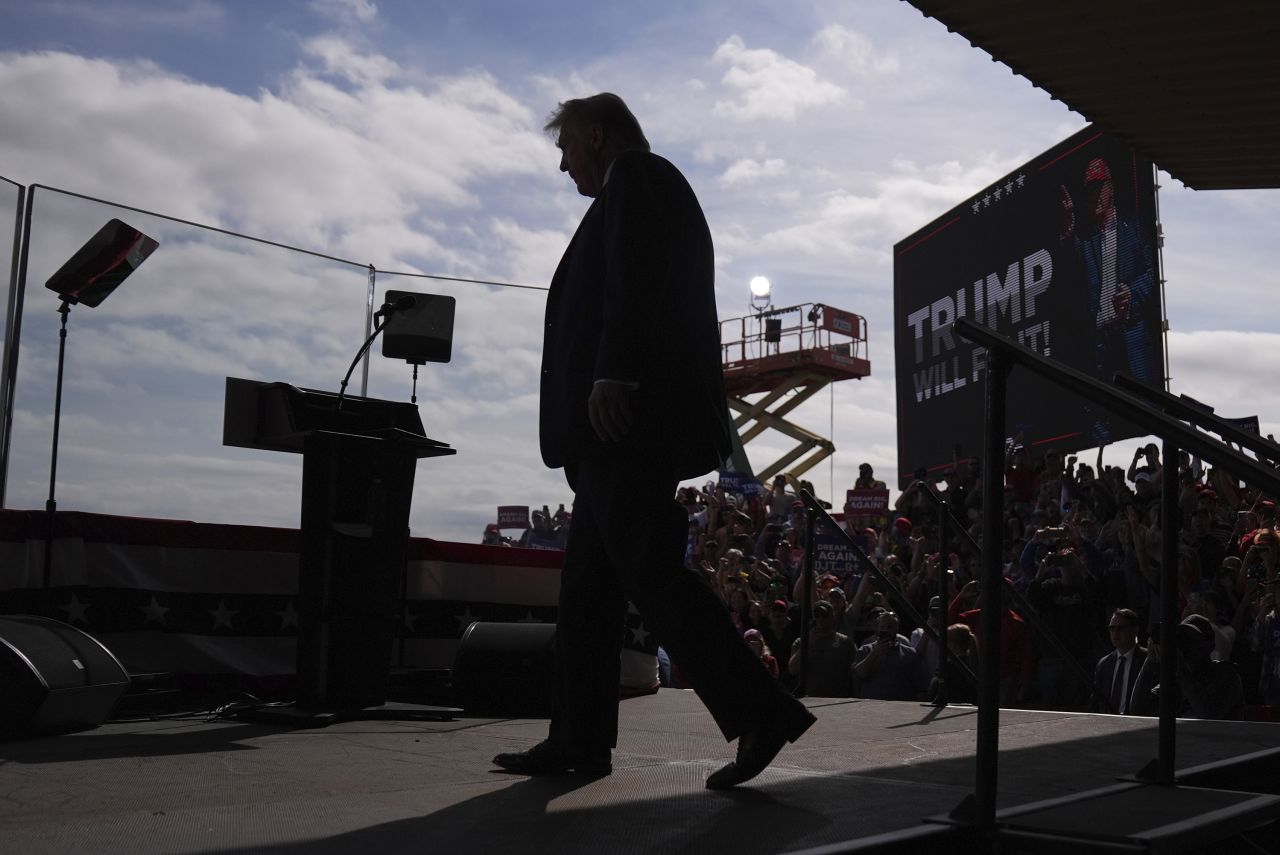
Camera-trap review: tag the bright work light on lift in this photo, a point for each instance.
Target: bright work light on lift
(760, 293)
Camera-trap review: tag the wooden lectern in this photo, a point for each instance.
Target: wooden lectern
(358, 462)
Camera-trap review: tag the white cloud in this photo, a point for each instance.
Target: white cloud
(1227, 370)
(346, 11)
(531, 254)
(767, 85)
(838, 228)
(748, 170)
(854, 51)
(298, 165)
(341, 58)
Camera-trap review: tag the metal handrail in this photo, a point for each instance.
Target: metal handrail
(1002, 354)
(1182, 408)
(1124, 405)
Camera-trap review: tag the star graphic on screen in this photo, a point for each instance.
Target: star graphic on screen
(222, 615)
(76, 610)
(1008, 187)
(977, 204)
(410, 620)
(529, 618)
(465, 619)
(288, 616)
(639, 634)
(154, 611)
(1022, 179)
(986, 201)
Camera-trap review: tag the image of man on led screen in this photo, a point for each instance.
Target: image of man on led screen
(1120, 284)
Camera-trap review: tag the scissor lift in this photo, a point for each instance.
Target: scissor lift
(786, 356)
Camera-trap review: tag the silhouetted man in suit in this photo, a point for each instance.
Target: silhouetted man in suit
(1117, 672)
(633, 402)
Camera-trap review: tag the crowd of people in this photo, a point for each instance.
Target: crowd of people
(1082, 546)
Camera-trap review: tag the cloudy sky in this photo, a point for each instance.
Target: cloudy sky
(406, 135)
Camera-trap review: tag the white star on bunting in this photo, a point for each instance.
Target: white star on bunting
(222, 615)
(289, 616)
(154, 611)
(76, 610)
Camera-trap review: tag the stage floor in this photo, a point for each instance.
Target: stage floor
(383, 787)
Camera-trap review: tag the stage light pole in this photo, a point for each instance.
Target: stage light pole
(87, 278)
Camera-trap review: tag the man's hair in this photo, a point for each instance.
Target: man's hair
(1129, 616)
(606, 110)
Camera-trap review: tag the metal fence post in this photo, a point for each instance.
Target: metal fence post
(368, 329)
(992, 579)
(1169, 519)
(806, 600)
(944, 547)
(13, 328)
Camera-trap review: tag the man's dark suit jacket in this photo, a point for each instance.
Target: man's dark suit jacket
(1105, 672)
(633, 299)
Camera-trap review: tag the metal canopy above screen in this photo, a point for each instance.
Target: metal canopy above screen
(1190, 85)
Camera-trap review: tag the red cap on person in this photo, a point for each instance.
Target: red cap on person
(1097, 170)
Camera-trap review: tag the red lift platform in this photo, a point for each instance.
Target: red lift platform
(787, 356)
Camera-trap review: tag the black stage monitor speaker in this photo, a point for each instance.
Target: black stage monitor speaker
(54, 678)
(505, 669)
(423, 331)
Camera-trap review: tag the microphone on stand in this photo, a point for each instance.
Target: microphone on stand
(408, 301)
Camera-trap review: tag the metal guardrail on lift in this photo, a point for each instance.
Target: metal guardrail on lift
(782, 358)
(762, 347)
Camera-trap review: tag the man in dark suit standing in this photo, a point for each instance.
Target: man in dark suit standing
(632, 402)
(1117, 672)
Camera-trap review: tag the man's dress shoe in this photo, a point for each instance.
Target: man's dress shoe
(547, 758)
(756, 750)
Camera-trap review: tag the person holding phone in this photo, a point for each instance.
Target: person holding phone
(888, 667)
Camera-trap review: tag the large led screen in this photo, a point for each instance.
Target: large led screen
(1060, 255)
